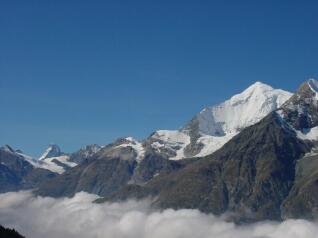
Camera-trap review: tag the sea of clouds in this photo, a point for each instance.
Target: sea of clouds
(37, 217)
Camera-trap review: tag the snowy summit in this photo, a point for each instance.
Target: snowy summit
(210, 129)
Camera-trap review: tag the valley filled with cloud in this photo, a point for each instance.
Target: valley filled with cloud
(38, 217)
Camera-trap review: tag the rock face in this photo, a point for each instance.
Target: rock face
(300, 111)
(17, 173)
(302, 201)
(111, 168)
(250, 176)
(84, 153)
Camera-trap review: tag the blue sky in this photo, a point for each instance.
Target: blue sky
(81, 72)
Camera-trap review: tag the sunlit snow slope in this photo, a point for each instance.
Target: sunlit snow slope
(214, 126)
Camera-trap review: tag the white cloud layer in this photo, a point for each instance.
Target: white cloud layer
(79, 217)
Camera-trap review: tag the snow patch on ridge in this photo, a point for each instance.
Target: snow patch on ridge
(32, 161)
(48, 163)
(308, 134)
(136, 145)
(172, 139)
(213, 143)
(313, 85)
(51, 165)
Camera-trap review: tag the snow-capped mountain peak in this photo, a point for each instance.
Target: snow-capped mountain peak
(54, 160)
(52, 151)
(300, 112)
(7, 148)
(239, 111)
(213, 126)
(256, 88)
(134, 144)
(208, 131)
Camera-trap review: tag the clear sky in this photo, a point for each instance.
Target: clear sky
(81, 72)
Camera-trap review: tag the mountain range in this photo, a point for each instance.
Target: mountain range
(253, 157)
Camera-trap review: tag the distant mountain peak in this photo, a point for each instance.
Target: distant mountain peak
(258, 85)
(85, 153)
(52, 151)
(129, 138)
(313, 84)
(7, 148)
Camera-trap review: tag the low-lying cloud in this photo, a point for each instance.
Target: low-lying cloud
(79, 217)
